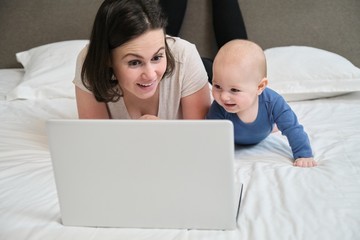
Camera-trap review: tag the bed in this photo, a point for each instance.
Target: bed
(279, 201)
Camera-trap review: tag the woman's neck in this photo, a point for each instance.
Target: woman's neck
(137, 107)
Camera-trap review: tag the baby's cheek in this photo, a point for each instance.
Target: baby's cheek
(215, 94)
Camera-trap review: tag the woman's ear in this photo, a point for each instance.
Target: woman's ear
(262, 85)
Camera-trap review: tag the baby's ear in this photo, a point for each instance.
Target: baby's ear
(262, 85)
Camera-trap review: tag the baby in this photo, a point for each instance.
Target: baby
(241, 96)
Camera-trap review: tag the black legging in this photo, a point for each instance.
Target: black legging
(227, 21)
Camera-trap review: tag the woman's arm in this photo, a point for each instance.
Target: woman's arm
(88, 107)
(196, 105)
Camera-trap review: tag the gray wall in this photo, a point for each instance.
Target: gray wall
(333, 25)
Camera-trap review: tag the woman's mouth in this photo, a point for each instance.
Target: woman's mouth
(145, 85)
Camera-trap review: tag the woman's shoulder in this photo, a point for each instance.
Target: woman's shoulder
(177, 42)
(79, 63)
(180, 47)
(84, 50)
(82, 54)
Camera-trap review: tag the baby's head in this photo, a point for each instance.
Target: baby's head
(241, 58)
(239, 74)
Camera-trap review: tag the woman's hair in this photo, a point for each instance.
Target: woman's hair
(117, 22)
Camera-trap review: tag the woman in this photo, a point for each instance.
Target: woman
(132, 70)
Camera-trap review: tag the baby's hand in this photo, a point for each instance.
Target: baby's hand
(149, 117)
(305, 162)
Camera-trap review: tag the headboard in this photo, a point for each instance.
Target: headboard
(331, 25)
(25, 24)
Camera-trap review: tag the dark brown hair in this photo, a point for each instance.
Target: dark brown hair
(117, 22)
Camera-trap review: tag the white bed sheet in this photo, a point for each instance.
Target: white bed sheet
(9, 78)
(279, 201)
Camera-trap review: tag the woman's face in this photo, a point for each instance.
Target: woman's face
(140, 64)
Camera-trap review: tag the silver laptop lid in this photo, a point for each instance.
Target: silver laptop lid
(144, 173)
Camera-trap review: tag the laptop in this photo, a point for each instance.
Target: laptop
(174, 174)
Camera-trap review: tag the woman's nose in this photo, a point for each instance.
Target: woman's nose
(149, 71)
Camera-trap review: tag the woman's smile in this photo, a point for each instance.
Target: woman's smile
(147, 86)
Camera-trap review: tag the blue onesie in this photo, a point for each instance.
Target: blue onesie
(272, 109)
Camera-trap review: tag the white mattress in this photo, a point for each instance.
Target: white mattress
(279, 201)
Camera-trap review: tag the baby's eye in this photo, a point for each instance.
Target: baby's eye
(134, 63)
(216, 86)
(234, 90)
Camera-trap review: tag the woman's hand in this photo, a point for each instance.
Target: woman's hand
(149, 117)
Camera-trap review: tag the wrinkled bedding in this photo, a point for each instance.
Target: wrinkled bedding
(279, 201)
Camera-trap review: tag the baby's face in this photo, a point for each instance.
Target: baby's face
(235, 88)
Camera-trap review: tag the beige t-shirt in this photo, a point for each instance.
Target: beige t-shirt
(188, 77)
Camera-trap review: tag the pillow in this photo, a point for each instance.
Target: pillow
(49, 71)
(303, 73)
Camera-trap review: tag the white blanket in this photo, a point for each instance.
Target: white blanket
(279, 201)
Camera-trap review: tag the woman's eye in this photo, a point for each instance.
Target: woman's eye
(157, 58)
(134, 63)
